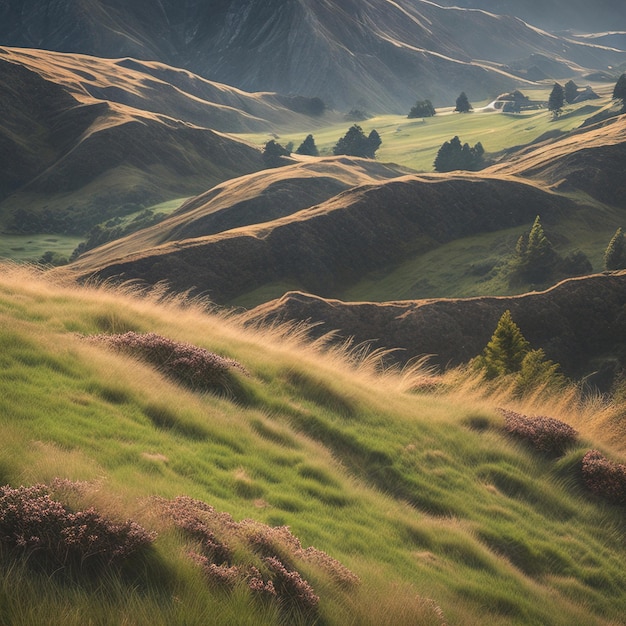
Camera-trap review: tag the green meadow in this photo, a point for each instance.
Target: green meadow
(414, 142)
(405, 477)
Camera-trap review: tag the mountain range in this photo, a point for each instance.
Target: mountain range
(378, 55)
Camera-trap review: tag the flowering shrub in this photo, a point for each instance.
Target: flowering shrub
(194, 367)
(31, 520)
(291, 587)
(217, 536)
(545, 434)
(605, 478)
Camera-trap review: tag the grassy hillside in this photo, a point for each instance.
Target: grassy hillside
(410, 482)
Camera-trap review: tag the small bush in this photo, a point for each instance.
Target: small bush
(545, 434)
(194, 367)
(605, 478)
(291, 587)
(32, 521)
(271, 573)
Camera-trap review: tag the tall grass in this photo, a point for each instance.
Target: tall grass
(409, 481)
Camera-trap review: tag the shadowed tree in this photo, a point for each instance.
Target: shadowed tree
(556, 100)
(456, 156)
(570, 91)
(308, 147)
(615, 253)
(463, 104)
(535, 258)
(355, 143)
(273, 154)
(619, 91)
(422, 108)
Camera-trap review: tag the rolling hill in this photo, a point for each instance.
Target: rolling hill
(579, 324)
(91, 138)
(373, 54)
(330, 246)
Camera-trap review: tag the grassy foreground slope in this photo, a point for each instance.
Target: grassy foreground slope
(419, 492)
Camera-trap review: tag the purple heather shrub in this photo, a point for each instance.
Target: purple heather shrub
(291, 587)
(277, 548)
(605, 478)
(545, 434)
(30, 519)
(194, 367)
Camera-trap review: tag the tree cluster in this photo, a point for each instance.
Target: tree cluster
(536, 261)
(456, 156)
(422, 108)
(356, 143)
(273, 154)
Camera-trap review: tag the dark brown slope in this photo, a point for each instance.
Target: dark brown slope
(378, 54)
(325, 248)
(579, 322)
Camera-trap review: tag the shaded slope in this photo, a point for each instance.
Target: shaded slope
(376, 54)
(590, 159)
(578, 323)
(556, 14)
(330, 246)
(253, 199)
(76, 159)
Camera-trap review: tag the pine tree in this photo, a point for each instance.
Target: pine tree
(556, 100)
(456, 156)
(571, 91)
(308, 147)
(619, 91)
(615, 253)
(506, 349)
(463, 104)
(273, 154)
(535, 258)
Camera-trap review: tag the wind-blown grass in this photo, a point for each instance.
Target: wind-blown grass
(420, 493)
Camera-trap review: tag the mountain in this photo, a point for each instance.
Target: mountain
(375, 54)
(93, 138)
(579, 323)
(556, 15)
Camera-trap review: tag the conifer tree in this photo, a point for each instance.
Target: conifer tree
(570, 91)
(308, 147)
(556, 100)
(463, 104)
(535, 258)
(506, 350)
(355, 143)
(615, 253)
(619, 91)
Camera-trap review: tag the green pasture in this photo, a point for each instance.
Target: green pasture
(414, 142)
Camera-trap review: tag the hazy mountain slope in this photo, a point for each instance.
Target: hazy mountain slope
(88, 136)
(556, 15)
(590, 159)
(327, 247)
(376, 54)
(578, 323)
